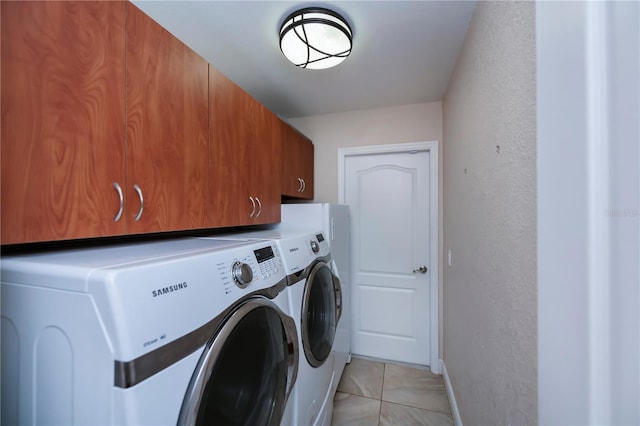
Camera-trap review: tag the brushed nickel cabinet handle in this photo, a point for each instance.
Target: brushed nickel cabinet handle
(304, 185)
(116, 185)
(139, 192)
(259, 207)
(253, 207)
(299, 185)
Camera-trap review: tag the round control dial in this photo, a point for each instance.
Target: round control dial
(242, 274)
(315, 247)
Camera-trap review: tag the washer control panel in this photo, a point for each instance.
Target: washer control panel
(268, 263)
(242, 274)
(251, 268)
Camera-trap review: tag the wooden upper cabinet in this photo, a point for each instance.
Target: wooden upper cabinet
(230, 155)
(297, 164)
(243, 146)
(105, 129)
(167, 129)
(307, 172)
(63, 82)
(266, 173)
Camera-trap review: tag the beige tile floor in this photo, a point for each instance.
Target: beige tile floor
(377, 393)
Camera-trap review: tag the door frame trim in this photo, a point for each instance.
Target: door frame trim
(432, 148)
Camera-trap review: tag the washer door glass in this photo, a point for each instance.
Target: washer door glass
(319, 314)
(244, 376)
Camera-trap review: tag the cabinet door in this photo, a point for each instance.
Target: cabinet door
(291, 167)
(266, 170)
(243, 151)
(167, 129)
(62, 119)
(230, 152)
(297, 164)
(306, 172)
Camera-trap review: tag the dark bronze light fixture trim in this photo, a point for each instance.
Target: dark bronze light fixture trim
(315, 38)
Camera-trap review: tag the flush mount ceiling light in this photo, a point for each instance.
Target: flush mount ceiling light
(315, 38)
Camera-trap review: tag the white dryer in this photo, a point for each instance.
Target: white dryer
(183, 331)
(315, 301)
(334, 220)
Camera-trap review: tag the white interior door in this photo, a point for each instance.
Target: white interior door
(389, 196)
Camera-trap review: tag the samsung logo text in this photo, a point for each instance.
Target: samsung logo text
(169, 289)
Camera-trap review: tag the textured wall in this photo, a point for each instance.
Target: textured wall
(490, 320)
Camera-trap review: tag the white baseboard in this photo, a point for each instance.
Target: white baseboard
(457, 420)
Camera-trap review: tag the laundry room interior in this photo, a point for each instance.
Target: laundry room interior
(208, 218)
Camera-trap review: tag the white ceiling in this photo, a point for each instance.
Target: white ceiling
(403, 51)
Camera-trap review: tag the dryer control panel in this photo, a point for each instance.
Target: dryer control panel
(319, 245)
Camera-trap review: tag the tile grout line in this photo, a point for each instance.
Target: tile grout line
(405, 405)
(380, 399)
(395, 403)
(384, 371)
(417, 408)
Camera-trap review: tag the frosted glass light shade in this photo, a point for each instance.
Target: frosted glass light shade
(315, 38)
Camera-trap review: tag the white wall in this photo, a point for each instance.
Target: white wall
(588, 212)
(406, 123)
(399, 124)
(490, 347)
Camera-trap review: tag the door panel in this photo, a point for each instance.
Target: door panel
(244, 144)
(230, 152)
(389, 199)
(297, 164)
(167, 128)
(266, 151)
(387, 250)
(385, 321)
(63, 74)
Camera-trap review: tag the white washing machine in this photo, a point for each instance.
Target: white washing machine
(315, 303)
(184, 331)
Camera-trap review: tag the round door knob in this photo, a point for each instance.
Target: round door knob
(315, 247)
(242, 274)
(423, 270)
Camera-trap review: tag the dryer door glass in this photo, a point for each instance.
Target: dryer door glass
(242, 376)
(319, 314)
